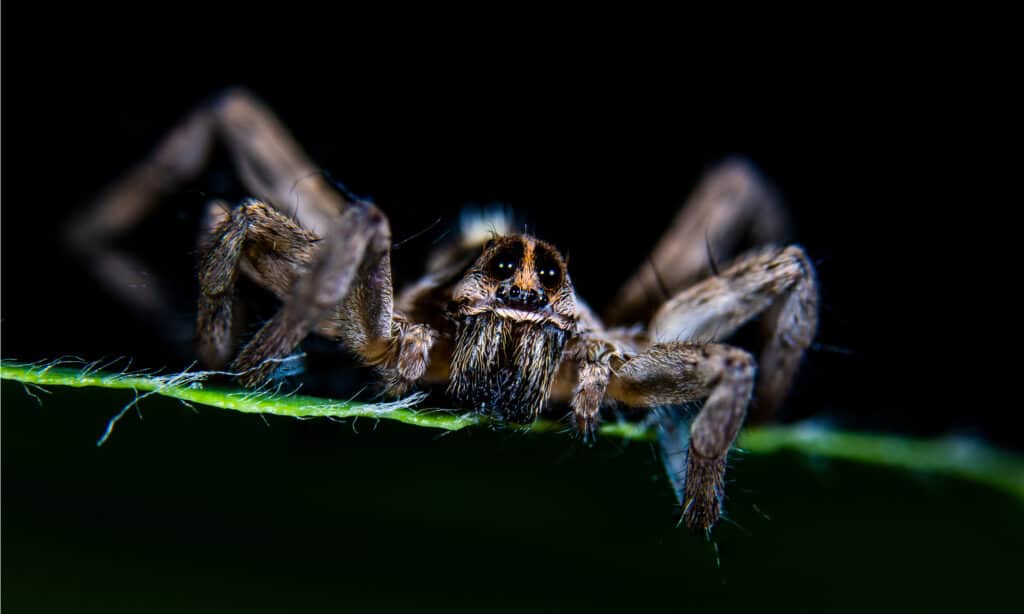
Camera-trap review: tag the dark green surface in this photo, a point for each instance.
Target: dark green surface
(217, 511)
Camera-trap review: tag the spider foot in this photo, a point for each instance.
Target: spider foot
(254, 377)
(402, 373)
(394, 384)
(586, 426)
(417, 339)
(703, 491)
(254, 371)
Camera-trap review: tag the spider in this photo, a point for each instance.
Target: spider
(495, 317)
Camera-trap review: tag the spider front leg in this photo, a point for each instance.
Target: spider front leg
(675, 373)
(338, 285)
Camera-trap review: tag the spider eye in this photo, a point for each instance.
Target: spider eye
(505, 261)
(549, 271)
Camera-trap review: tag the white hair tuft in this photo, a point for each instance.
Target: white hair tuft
(477, 226)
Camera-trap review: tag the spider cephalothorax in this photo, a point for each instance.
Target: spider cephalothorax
(514, 311)
(497, 321)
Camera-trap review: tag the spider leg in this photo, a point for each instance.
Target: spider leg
(679, 372)
(270, 164)
(361, 234)
(587, 366)
(678, 368)
(272, 249)
(779, 283)
(731, 205)
(327, 258)
(593, 376)
(338, 286)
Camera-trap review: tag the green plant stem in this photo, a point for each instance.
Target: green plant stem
(960, 457)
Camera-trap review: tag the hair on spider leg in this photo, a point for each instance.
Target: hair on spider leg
(326, 174)
(563, 422)
(714, 547)
(726, 518)
(665, 294)
(346, 193)
(711, 256)
(321, 172)
(673, 437)
(396, 245)
(441, 237)
(294, 213)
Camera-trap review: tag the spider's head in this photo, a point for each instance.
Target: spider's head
(515, 309)
(520, 278)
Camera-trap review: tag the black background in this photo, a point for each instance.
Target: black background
(595, 148)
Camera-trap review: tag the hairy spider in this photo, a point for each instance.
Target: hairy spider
(495, 317)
